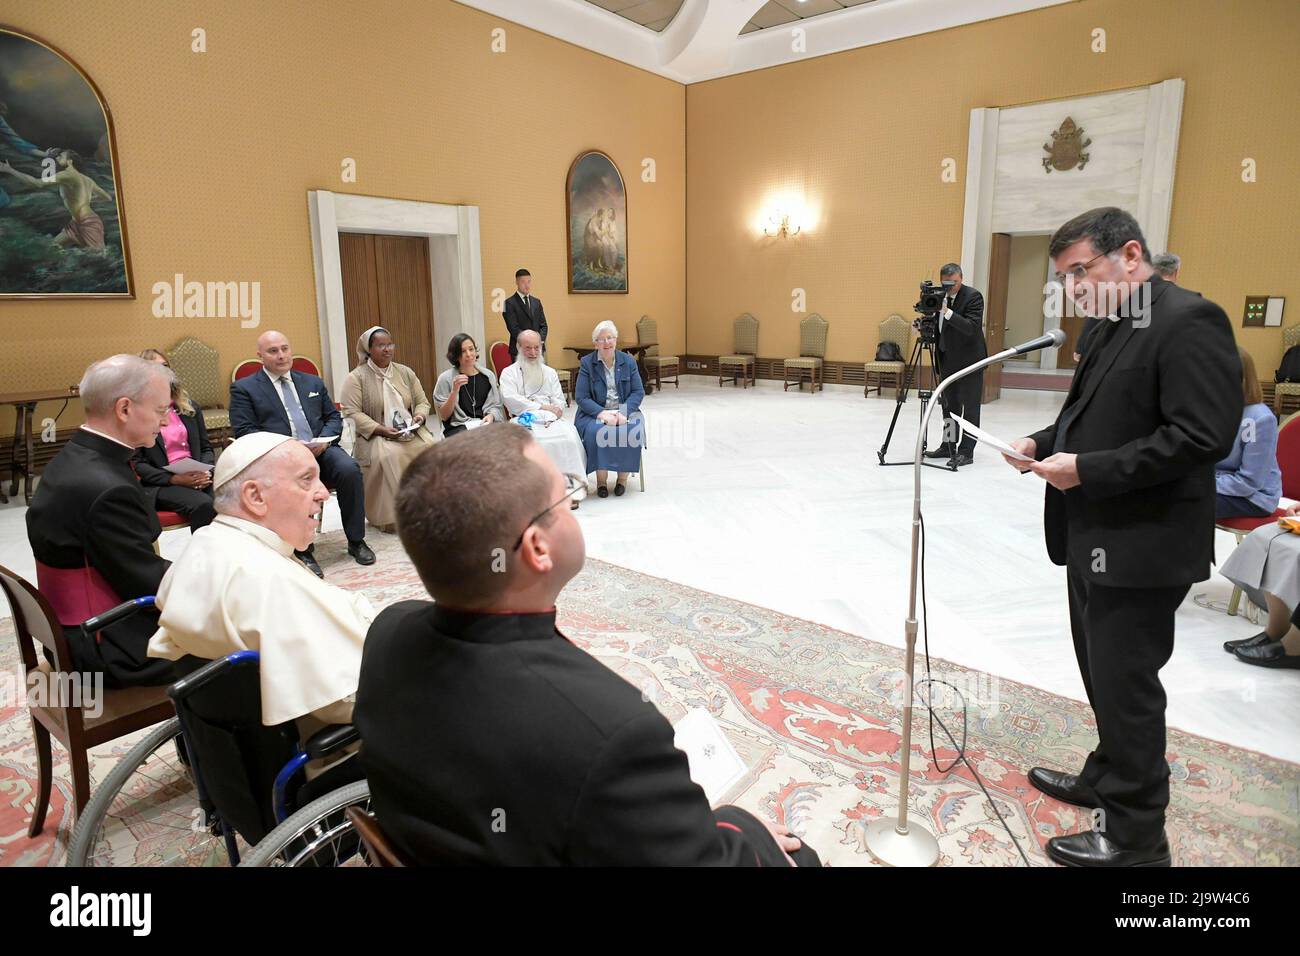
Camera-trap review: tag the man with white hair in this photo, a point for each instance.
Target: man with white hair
(530, 385)
(1167, 264)
(91, 527)
(237, 587)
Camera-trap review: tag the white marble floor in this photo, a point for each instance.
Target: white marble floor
(777, 499)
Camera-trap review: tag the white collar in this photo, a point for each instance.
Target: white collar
(96, 431)
(264, 535)
(275, 379)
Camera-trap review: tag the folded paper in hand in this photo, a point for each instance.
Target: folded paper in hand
(185, 466)
(991, 440)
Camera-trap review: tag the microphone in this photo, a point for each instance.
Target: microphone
(1053, 340)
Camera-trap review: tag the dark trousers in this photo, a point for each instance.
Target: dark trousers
(1231, 506)
(765, 845)
(339, 471)
(1122, 637)
(193, 505)
(962, 398)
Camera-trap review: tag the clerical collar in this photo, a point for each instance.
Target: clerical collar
(96, 432)
(494, 627)
(264, 535)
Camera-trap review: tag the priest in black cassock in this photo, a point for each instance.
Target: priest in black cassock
(490, 738)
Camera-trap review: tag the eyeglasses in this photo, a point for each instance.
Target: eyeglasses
(1080, 272)
(572, 485)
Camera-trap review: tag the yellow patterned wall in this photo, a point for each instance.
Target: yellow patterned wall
(862, 135)
(218, 150)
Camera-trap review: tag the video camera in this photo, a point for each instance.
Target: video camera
(928, 308)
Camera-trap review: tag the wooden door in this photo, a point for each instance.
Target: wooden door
(995, 311)
(386, 282)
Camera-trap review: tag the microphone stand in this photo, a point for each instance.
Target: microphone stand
(898, 843)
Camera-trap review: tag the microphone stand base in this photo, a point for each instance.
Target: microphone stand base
(917, 847)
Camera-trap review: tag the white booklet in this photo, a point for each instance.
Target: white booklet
(320, 442)
(714, 763)
(991, 440)
(185, 466)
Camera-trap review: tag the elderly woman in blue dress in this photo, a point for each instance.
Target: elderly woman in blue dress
(609, 394)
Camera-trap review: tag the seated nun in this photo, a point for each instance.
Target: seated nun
(238, 587)
(530, 385)
(387, 405)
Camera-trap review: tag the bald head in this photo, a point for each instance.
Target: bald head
(529, 344)
(274, 351)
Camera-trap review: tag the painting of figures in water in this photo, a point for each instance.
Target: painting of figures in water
(597, 216)
(61, 224)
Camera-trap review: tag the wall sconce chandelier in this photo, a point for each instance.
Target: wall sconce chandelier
(780, 225)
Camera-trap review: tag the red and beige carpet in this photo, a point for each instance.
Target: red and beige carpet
(813, 712)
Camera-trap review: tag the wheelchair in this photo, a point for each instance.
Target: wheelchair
(214, 777)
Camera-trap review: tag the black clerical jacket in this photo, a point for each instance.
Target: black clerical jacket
(493, 740)
(89, 509)
(1155, 402)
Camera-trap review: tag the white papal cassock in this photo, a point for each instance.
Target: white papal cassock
(559, 439)
(237, 588)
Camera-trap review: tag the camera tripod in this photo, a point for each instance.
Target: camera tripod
(913, 368)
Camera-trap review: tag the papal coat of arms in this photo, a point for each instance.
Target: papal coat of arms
(1067, 148)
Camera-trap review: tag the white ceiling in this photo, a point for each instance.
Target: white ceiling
(694, 40)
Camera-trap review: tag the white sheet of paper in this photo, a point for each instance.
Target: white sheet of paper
(991, 440)
(185, 466)
(321, 442)
(714, 763)
(473, 423)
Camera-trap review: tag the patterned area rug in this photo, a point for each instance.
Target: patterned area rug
(814, 714)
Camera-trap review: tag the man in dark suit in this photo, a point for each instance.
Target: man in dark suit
(278, 399)
(489, 737)
(91, 523)
(523, 311)
(1129, 512)
(961, 342)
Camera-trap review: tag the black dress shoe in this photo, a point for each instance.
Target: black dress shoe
(961, 459)
(1272, 654)
(309, 558)
(1066, 787)
(602, 491)
(1260, 638)
(1091, 848)
(943, 451)
(618, 490)
(362, 553)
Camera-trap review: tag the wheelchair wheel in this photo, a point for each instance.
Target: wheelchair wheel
(146, 812)
(318, 835)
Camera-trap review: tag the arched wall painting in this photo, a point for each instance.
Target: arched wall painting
(62, 228)
(597, 225)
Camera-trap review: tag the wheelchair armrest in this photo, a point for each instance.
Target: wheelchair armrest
(332, 738)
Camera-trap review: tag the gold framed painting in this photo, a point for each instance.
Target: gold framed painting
(62, 221)
(596, 231)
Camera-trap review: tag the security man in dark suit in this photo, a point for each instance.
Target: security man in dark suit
(92, 525)
(961, 342)
(490, 738)
(523, 311)
(297, 404)
(1129, 465)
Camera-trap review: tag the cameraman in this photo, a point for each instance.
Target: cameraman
(961, 342)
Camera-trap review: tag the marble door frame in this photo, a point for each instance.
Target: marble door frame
(455, 264)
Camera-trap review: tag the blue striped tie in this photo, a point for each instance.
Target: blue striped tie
(299, 421)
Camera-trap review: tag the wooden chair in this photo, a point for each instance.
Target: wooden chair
(647, 330)
(37, 627)
(380, 851)
(244, 369)
(1283, 391)
(499, 358)
(169, 521)
(894, 329)
(745, 343)
(812, 354)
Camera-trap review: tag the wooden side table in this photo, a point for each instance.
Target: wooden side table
(24, 404)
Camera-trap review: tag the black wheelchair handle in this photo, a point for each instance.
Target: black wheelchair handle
(115, 614)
